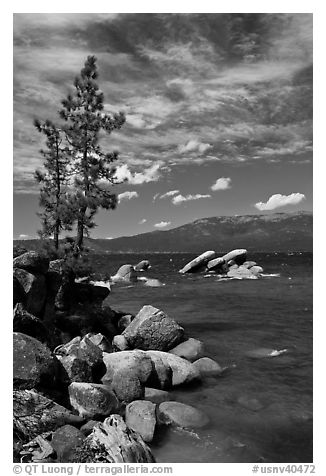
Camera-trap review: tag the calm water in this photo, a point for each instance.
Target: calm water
(231, 318)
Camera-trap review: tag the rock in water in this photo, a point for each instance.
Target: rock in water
(142, 265)
(190, 350)
(92, 400)
(217, 265)
(140, 417)
(33, 262)
(241, 273)
(33, 363)
(249, 264)
(181, 415)
(208, 367)
(183, 372)
(155, 395)
(65, 440)
(126, 273)
(256, 270)
(238, 256)
(198, 263)
(152, 329)
(113, 442)
(34, 287)
(35, 414)
(263, 353)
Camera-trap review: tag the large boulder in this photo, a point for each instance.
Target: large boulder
(126, 273)
(208, 367)
(198, 263)
(191, 349)
(33, 262)
(180, 415)
(92, 400)
(33, 363)
(152, 329)
(34, 414)
(34, 286)
(137, 361)
(127, 386)
(161, 376)
(140, 417)
(183, 372)
(65, 440)
(113, 442)
(28, 324)
(218, 265)
(239, 256)
(142, 265)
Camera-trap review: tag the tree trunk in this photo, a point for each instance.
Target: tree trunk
(78, 246)
(56, 237)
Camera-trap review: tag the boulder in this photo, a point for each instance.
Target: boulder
(183, 372)
(142, 265)
(191, 349)
(28, 324)
(34, 287)
(92, 400)
(113, 442)
(57, 265)
(217, 265)
(256, 270)
(180, 415)
(33, 262)
(208, 367)
(88, 427)
(152, 329)
(161, 376)
(232, 267)
(137, 361)
(127, 386)
(18, 292)
(241, 273)
(33, 363)
(119, 343)
(239, 256)
(74, 369)
(140, 417)
(65, 440)
(34, 414)
(198, 263)
(88, 293)
(100, 341)
(155, 395)
(126, 273)
(124, 322)
(249, 264)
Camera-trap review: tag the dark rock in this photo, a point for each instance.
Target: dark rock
(113, 442)
(183, 372)
(86, 292)
(207, 367)
(92, 400)
(140, 417)
(33, 363)
(28, 324)
(34, 287)
(33, 262)
(74, 369)
(18, 292)
(161, 376)
(127, 386)
(65, 440)
(155, 395)
(181, 415)
(152, 329)
(88, 427)
(124, 322)
(191, 349)
(198, 263)
(142, 265)
(126, 273)
(35, 414)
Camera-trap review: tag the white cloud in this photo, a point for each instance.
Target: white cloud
(194, 146)
(127, 196)
(162, 224)
(170, 193)
(181, 198)
(222, 183)
(141, 222)
(278, 200)
(23, 237)
(151, 174)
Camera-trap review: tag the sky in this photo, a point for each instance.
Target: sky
(218, 109)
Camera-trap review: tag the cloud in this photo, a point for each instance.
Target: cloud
(278, 200)
(127, 195)
(151, 174)
(194, 146)
(181, 198)
(23, 237)
(141, 222)
(222, 183)
(169, 194)
(162, 224)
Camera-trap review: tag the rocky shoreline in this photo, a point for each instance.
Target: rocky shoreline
(92, 384)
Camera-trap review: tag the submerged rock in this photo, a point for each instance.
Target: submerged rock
(190, 350)
(264, 352)
(152, 329)
(181, 415)
(113, 442)
(140, 417)
(198, 263)
(33, 262)
(207, 367)
(92, 400)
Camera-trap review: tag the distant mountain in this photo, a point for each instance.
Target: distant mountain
(272, 232)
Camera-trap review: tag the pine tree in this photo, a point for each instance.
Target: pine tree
(92, 168)
(57, 214)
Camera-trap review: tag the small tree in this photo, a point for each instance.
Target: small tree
(57, 213)
(92, 168)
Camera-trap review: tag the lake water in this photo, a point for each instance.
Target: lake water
(260, 409)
